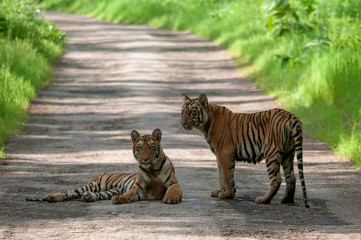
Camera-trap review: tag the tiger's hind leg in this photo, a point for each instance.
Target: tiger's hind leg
(63, 195)
(287, 166)
(67, 194)
(95, 196)
(73, 193)
(273, 169)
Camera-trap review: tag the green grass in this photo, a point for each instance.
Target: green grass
(307, 55)
(28, 47)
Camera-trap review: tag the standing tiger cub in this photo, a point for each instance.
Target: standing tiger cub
(155, 179)
(273, 135)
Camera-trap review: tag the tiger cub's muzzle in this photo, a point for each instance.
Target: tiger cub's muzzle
(188, 126)
(145, 156)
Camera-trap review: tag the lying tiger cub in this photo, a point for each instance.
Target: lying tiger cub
(155, 179)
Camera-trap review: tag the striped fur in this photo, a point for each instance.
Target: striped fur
(101, 187)
(274, 135)
(155, 179)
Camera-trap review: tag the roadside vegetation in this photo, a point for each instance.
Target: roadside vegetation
(28, 47)
(305, 53)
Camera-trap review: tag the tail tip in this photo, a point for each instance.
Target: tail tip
(45, 199)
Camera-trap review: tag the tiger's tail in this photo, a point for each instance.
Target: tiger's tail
(64, 195)
(44, 199)
(85, 195)
(297, 136)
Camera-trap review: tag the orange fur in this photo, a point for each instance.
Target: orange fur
(156, 175)
(155, 179)
(275, 135)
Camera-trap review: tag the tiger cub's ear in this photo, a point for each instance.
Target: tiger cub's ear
(185, 97)
(134, 135)
(157, 133)
(203, 100)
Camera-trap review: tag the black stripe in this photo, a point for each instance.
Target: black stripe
(141, 178)
(237, 136)
(97, 196)
(140, 187)
(100, 178)
(114, 191)
(159, 170)
(145, 171)
(103, 194)
(109, 194)
(234, 116)
(138, 197)
(128, 185)
(128, 180)
(273, 172)
(251, 141)
(229, 117)
(300, 167)
(259, 141)
(107, 181)
(167, 179)
(244, 144)
(295, 123)
(168, 171)
(298, 145)
(232, 166)
(221, 140)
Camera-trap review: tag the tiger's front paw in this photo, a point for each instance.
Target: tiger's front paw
(172, 198)
(226, 195)
(120, 199)
(263, 200)
(215, 193)
(223, 194)
(173, 195)
(88, 197)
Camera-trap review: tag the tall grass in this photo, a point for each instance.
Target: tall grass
(28, 46)
(306, 53)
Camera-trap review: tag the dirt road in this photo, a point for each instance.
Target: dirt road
(118, 77)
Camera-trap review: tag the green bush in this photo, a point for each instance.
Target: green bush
(28, 47)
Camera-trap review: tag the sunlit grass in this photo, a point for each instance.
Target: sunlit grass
(28, 47)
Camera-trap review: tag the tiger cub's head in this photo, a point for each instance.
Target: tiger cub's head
(194, 111)
(147, 149)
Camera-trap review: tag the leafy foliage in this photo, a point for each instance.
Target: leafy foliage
(20, 20)
(28, 45)
(282, 18)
